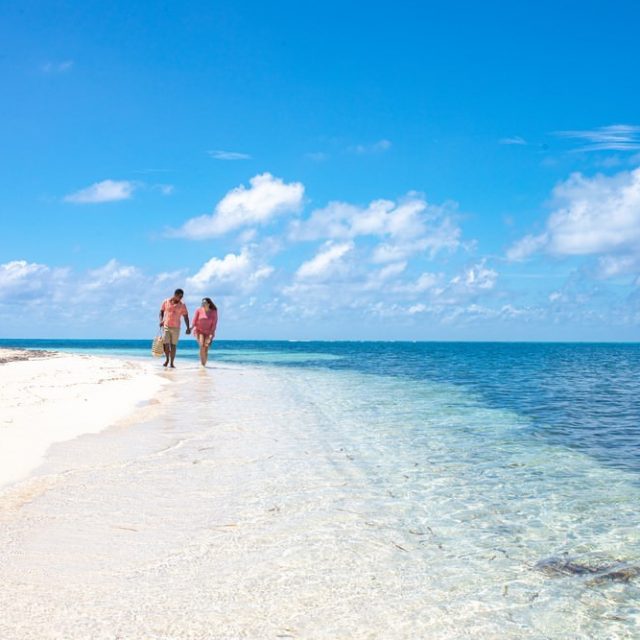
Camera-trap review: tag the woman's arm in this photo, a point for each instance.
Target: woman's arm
(196, 317)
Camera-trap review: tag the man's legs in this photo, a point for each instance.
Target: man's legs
(170, 338)
(174, 348)
(167, 347)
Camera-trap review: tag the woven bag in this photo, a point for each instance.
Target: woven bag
(157, 347)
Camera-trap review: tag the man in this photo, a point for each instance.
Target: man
(171, 311)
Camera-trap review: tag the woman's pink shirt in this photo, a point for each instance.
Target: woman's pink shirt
(205, 322)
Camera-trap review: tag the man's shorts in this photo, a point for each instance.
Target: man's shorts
(171, 335)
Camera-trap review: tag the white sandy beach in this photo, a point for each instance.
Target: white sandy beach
(218, 514)
(52, 397)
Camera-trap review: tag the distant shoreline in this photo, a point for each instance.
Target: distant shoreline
(15, 343)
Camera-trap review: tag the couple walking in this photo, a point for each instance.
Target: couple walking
(204, 325)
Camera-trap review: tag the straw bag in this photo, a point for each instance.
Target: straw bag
(157, 346)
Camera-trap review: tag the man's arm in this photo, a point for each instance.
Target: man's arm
(161, 317)
(186, 321)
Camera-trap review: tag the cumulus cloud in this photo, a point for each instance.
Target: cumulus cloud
(611, 266)
(240, 270)
(266, 198)
(424, 282)
(417, 308)
(20, 274)
(383, 277)
(527, 246)
(391, 271)
(219, 154)
(111, 273)
(406, 227)
(592, 216)
(105, 191)
(327, 262)
(596, 215)
(475, 278)
(31, 284)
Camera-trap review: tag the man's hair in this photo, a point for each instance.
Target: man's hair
(178, 292)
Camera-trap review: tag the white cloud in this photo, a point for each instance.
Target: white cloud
(424, 282)
(408, 226)
(596, 215)
(391, 271)
(526, 247)
(382, 277)
(168, 276)
(31, 284)
(513, 140)
(57, 67)
(443, 236)
(164, 189)
(334, 221)
(105, 191)
(111, 273)
(240, 270)
(618, 137)
(592, 216)
(327, 262)
(376, 147)
(317, 156)
(266, 198)
(477, 277)
(16, 270)
(611, 266)
(417, 308)
(17, 274)
(219, 154)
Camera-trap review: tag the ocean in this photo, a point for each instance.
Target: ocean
(485, 489)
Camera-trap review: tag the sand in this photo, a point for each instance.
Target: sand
(49, 397)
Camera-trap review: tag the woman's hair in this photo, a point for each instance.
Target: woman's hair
(210, 303)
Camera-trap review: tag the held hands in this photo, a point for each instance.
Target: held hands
(188, 330)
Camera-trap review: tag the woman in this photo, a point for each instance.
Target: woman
(204, 327)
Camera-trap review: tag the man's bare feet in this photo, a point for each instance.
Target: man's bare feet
(165, 363)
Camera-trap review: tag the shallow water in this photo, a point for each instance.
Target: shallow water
(352, 498)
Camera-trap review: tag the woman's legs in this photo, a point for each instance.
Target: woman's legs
(203, 349)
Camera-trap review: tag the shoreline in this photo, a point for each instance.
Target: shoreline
(50, 397)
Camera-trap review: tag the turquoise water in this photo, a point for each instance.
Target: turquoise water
(582, 396)
(497, 486)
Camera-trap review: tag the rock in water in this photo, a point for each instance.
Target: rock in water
(602, 571)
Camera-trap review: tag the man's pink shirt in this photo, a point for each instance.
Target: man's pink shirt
(173, 311)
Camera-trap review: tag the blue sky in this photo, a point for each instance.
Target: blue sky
(459, 170)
